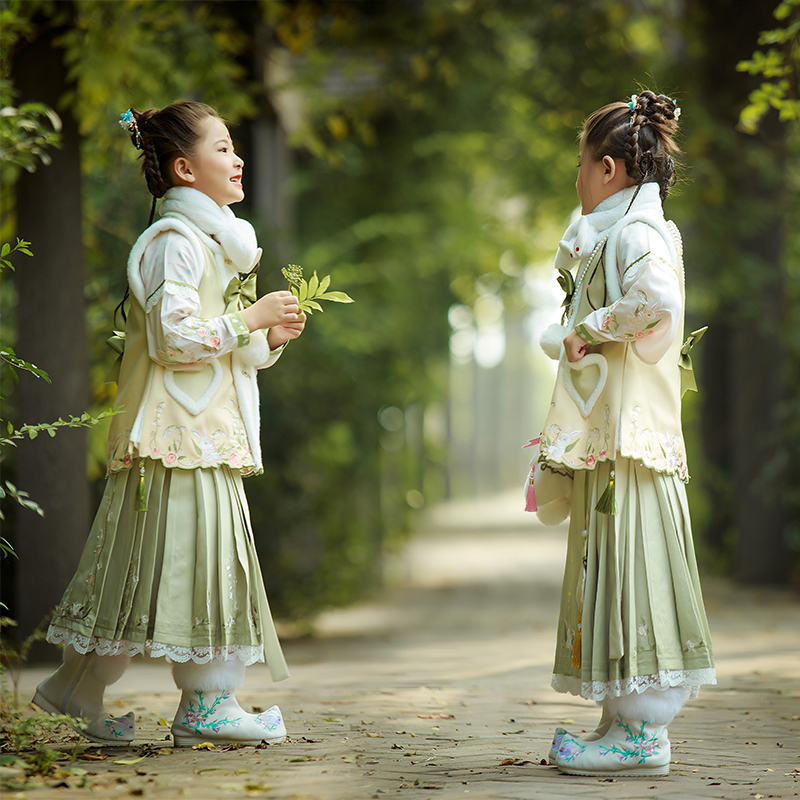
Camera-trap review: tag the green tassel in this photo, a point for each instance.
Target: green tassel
(606, 504)
(141, 492)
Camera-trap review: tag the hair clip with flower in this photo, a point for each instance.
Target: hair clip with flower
(128, 122)
(632, 103)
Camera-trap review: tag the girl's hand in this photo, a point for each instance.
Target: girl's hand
(575, 347)
(279, 335)
(271, 310)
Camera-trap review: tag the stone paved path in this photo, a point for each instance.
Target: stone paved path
(440, 689)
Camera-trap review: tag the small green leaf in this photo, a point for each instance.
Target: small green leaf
(303, 290)
(336, 297)
(312, 285)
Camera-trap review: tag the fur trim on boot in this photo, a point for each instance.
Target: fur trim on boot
(657, 707)
(216, 675)
(209, 711)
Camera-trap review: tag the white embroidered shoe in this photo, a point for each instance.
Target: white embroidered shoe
(597, 733)
(76, 688)
(214, 716)
(630, 748)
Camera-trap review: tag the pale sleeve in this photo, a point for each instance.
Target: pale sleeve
(651, 308)
(177, 335)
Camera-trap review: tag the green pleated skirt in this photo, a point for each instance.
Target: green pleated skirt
(181, 579)
(632, 614)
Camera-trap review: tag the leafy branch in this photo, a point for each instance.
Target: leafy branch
(85, 420)
(309, 292)
(26, 131)
(780, 67)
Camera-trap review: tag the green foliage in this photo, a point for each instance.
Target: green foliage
(780, 66)
(309, 292)
(10, 434)
(29, 130)
(434, 151)
(26, 757)
(26, 132)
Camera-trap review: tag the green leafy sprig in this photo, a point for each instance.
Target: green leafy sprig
(309, 292)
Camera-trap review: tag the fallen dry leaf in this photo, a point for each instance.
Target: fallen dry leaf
(436, 716)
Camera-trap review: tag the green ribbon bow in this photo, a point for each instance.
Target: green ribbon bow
(117, 344)
(688, 381)
(241, 291)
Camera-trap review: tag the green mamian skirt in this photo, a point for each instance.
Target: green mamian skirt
(181, 579)
(633, 618)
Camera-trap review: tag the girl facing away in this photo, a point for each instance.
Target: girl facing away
(170, 567)
(632, 632)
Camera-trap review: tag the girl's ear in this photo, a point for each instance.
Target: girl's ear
(609, 169)
(182, 169)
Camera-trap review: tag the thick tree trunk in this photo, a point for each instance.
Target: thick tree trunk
(744, 384)
(51, 334)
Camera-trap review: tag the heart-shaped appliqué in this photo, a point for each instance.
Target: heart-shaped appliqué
(585, 381)
(177, 382)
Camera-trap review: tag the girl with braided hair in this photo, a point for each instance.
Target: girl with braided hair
(170, 567)
(632, 631)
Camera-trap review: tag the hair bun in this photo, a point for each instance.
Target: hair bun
(657, 109)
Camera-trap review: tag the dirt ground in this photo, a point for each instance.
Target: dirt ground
(440, 689)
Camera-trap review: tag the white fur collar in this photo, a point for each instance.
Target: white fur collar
(210, 221)
(586, 231)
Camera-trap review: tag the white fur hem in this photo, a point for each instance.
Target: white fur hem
(654, 706)
(208, 677)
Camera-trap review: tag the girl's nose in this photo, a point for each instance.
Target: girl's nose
(239, 161)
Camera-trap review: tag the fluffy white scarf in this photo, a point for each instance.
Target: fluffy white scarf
(236, 236)
(605, 223)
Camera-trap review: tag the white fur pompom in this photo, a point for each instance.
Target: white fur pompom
(552, 339)
(256, 351)
(554, 512)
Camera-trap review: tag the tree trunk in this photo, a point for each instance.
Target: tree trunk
(51, 334)
(744, 387)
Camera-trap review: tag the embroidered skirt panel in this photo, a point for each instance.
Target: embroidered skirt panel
(641, 616)
(181, 579)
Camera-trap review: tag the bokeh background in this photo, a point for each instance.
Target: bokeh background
(423, 153)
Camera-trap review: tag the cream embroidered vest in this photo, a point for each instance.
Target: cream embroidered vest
(183, 419)
(611, 403)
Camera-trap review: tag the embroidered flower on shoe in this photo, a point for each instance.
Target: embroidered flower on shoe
(637, 745)
(203, 716)
(119, 726)
(270, 720)
(570, 749)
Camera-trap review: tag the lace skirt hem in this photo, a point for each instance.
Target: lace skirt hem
(665, 679)
(248, 654)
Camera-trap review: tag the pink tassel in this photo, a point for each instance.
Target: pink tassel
(530, 495)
